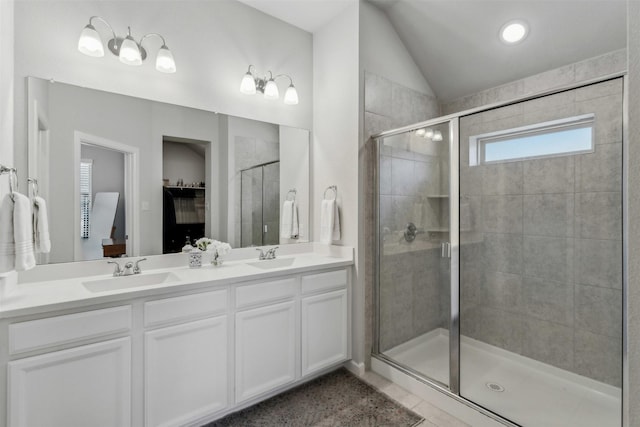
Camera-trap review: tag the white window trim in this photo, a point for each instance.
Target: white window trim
(477, 142)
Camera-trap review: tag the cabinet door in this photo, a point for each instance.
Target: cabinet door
(82, 386)
(324, 330)
(265, 349)
(185, 372)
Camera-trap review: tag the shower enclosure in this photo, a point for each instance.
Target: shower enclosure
(260, 204)
(499, 273)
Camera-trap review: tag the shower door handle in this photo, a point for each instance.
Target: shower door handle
(445, 250)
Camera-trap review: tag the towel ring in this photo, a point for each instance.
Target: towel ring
(335, 191)
(13, 179)
(34, 186)
(294, 191)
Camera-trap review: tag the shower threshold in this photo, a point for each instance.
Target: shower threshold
(523, 390)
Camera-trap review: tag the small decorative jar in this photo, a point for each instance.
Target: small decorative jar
(195, 258)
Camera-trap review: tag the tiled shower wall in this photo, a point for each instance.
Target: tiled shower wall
(541, 264)
(410, 275)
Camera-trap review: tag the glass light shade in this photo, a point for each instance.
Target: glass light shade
(428, 133)
(248, 85)
(90, 42)
(271, 90)
(421, 132)
(164, 61)
(129, 52)
(291, 95)
(513, 32)
(437, 136)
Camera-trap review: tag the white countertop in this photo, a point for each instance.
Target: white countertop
(30, 293)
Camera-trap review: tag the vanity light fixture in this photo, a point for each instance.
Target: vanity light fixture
(125, 48)
(514, 32)
(251, 84)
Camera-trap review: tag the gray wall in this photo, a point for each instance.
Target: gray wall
(181, 161)
(541, 264)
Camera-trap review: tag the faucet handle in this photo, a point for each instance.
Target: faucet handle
(271, 253)
(261, 256)
(136, 268)
(117, 271)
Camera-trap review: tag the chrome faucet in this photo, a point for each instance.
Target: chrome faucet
(129, 268)
(270, 254)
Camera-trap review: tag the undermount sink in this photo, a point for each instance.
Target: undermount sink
(133, 281)
(268, 264)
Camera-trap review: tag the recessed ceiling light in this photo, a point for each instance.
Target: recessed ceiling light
(514, 31)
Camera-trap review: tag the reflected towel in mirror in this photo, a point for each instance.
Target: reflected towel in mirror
(289, 228)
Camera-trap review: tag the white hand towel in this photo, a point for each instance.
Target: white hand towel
(295, 227)
(41, 226)
(335, 230)
(329, 221)
(23, 232)
(287, 219)
(7, 248)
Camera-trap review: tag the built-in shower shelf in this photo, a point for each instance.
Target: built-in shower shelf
(437, 196)
(437, 230)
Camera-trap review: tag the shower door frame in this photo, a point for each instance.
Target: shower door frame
(453, 389)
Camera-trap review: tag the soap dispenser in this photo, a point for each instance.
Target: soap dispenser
(187, 246)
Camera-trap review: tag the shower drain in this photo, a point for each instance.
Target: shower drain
(495, 387)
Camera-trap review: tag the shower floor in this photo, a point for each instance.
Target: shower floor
(535, 394)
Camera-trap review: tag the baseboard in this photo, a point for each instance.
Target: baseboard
(355, 368)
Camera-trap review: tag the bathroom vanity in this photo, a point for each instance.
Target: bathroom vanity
(171, 346)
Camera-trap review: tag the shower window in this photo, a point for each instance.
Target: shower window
(553, 138)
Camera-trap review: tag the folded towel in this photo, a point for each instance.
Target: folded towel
(287, 219)
(7, 249)
(23, 232)
(329, 221)
(41, 226)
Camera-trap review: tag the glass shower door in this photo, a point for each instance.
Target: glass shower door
(413, 269)
(541, 258)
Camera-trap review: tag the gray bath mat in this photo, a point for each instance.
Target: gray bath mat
(338, 399)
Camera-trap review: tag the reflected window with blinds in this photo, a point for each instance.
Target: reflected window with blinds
(86, 166)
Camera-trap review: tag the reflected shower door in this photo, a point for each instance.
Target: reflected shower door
(260, 205)
(541, 258)
(413, 289)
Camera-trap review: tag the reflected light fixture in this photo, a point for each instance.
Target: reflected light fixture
(127, 49)
(428, 133)
(251, 84)
(514, 32)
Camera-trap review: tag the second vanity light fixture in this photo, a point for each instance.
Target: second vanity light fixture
(126, 48)
(267, 86)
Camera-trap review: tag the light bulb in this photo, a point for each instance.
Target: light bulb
(248, 84)
(514, 32)
(130, 52)
(428, 133)
(164, 61)
(437, 136)
(90, 42)
(271, 90)
(421, 132)
(291, 95)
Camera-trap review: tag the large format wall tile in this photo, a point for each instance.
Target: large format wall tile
(548, 258)
(598, 357)
(502, 178)
(598, 262)
(548, 342)
(553, 175)
(599, 310)
(549, 214)
(377, 94)
(600, 170)
(599, 215)
(548, 300)
(502, 214)
(503, 252)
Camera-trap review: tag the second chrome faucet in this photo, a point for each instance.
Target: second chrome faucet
(270, 254)
(128, 269)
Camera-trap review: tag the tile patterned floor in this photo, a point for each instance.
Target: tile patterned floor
(433, 417)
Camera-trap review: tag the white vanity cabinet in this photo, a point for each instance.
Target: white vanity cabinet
(177, 358)
(324, 320)
(185, 365)
(82, 385)
(266, 337)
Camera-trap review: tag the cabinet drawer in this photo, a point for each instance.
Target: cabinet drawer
(248, 295)
(185, 307)
(41, 333)
(324, 281)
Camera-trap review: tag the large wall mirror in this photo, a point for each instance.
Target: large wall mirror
(130, 176)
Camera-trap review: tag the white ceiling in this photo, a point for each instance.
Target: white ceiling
(455, 42)
(310, 15)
